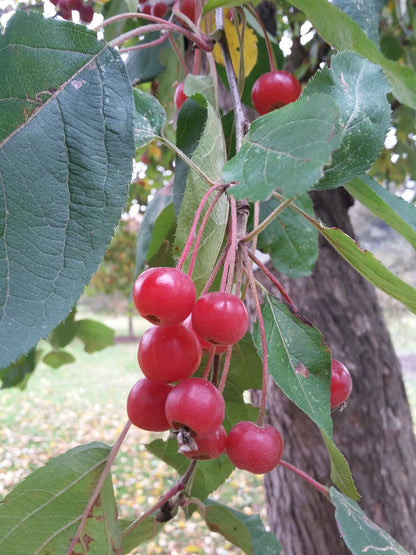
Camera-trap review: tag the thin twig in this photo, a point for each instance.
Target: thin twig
(306, 477)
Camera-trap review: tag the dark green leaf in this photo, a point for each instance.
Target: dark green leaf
(42, 513)
(64, 332)
(64, 172)
(328, 20)
(161, 200)
(365, 14)
(300, 364)
(209, 156)
(192, 119)
(95, 335)
(397, 213)
(145, 64)
(200, 85)
(19, 372)
(299, 360)
(55, 359)
(359, 88)
(163, 239)
(145, 531)
(150, 117)
(286, 149)
(244, 531)
(209, 475)
(290, 239)
(360, 534)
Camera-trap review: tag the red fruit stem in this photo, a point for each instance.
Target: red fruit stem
(160, 40)
(88, 509)
(272, 278)
(209, 362)
(201, 41)
(239, 118)
(201, 231)
(229, 266)
(177, 488)
(265, 373)
(192, 231)
(225, 369)
(196, 69)
(215, 271)
(178, 53)
(270, 53)
(324, 490)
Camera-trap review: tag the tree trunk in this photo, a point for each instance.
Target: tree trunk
(374, 431)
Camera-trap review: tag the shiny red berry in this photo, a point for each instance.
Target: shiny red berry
(164, 296)
(196, 405)
(205, 345)
(254, 448)
(169, 353)
(220, 318)
(179, 97)
(146, 405)
(341, 384)
(206, 447)
(273, 90)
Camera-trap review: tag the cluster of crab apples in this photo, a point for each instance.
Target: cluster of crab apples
(66, 7)
(170, 397)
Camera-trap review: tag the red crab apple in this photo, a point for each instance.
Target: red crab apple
(254, 448)
(220, 318)
(206, 447)
(146, 405)
(341, 384)
(164, 296)
(273, 90)
(196, 405)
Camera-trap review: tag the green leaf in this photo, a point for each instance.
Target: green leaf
(148, 529)
(95, 335)
(366, 15)
(290, 239)
(359, 88)
(200, 85)
(163, 238)
(116, 7)
(329, 20)
(57, 212)
(286, 149)
(209, 475)
(244, 531)
(42, 513)
(55, 359)
(146, 64)
(19, 372)
(209, 156)
(300, 364)
(192, 120)
(150, 117)
(244, 373)
(64, 332)
(148, 230)
(299, 360)
(340, 470)
(369, 267)
(360, 534)
(396, 212)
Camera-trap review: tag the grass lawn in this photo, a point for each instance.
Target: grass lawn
(84, 402)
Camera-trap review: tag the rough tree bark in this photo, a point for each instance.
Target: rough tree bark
(375, 429)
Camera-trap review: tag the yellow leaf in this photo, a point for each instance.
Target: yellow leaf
(250, 47)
